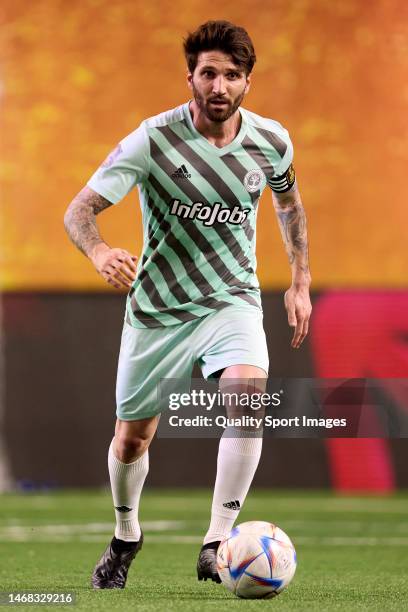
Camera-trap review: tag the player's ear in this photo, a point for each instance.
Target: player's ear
(190, 80)
(248, 83)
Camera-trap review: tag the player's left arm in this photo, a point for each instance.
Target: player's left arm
(292, 223)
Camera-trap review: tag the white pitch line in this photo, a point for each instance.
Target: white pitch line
(99, 532)
(345, 541)
(77, 529)
(335, 525)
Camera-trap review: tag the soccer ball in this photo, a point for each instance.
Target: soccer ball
(256, 560)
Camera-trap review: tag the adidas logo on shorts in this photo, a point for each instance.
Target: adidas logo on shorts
(232, 505)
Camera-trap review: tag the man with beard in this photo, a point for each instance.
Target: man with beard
(194, 295)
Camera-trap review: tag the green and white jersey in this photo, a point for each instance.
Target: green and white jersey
(199, 207)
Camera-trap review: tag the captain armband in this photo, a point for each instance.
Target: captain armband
(284, 182)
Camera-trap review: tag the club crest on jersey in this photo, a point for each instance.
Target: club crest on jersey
(209, 214)
(254, 180)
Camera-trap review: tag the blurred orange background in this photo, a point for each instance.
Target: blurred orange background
(77, 76)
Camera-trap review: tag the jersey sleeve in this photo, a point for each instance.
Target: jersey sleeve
(284, 176)
(126, 166)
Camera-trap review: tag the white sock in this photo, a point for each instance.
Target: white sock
(238, 458)
(127, 481)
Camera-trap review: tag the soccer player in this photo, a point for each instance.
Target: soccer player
(193, 296)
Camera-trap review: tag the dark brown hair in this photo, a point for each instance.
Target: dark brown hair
(221, 36)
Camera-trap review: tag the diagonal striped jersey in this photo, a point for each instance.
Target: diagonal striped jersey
(199, 206)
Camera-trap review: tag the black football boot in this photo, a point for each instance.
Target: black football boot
(207, 562)
(112, 568)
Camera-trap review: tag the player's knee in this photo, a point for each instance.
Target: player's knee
(130, 447)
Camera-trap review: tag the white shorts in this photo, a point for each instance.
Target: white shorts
(231, 336)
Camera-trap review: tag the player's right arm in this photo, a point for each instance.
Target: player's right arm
(126, 166)
(117, 266)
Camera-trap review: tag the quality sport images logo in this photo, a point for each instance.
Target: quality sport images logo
(209, 214)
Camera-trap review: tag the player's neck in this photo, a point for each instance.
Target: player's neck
(217, 133)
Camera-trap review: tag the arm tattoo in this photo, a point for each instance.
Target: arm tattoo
(292, 224)
(80, 219)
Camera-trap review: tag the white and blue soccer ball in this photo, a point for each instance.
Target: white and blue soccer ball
(256, 560)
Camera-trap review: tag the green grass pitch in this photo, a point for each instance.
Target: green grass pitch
(352, 551)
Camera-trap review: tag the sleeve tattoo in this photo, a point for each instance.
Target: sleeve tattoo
(292, 224)
(80, 219)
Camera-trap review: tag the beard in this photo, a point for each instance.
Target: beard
(220, 114)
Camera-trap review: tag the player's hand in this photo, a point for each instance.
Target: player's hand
(299, 309)
(116, 266)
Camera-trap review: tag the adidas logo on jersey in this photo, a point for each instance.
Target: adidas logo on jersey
(232, 505)
(181, 173)
(209, 214)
